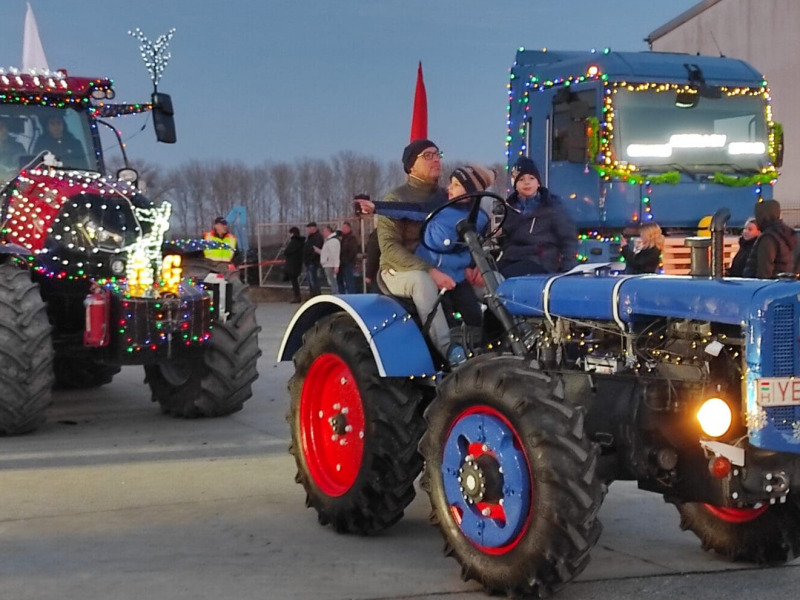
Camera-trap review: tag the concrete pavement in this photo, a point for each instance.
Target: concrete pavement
(111, 500)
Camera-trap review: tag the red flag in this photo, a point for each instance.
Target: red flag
(419, 120)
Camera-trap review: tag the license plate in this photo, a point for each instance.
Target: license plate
(778, 391)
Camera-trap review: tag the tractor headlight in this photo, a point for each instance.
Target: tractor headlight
(715, 417)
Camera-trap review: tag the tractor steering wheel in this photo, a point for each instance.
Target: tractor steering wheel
(471, 217)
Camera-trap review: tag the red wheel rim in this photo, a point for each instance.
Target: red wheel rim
(736, 515)
(332, 425)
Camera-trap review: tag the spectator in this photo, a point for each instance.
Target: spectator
(750, 233)
(347, 260)
(441, 246)
(311, 252)
(372, 261)
(773, 252)
(57, 138)
(538, 235)
(223, 247)
(293, 267)
(10, 152)
(330, 257)
(645, 257)
(404, 273)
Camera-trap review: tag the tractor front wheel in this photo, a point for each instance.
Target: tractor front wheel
(26, 353)
(766, 534)
(218, 382)
(511, 477)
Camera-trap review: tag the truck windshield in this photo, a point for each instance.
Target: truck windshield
(663, 131)
(27, 130)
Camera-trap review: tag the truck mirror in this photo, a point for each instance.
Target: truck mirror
(686, 99)
(163, 119)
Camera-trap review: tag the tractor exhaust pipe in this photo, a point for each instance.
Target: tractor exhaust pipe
(718, 222)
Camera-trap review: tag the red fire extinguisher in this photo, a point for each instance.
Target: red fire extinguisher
(97, 331)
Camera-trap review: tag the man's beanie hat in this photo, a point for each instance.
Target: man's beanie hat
(411, 152)
(220, 220)
(311, 224)
(474, 178)
(525, 166)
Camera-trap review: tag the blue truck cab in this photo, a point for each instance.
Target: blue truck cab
(628, 137)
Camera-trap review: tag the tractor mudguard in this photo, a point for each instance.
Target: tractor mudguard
(9, 248)
(395, 339)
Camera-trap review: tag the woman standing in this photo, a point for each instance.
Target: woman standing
(749, 235)
(645, 256)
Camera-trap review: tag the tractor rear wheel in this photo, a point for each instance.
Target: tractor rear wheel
(768, 534)
(354, 434)
(511, 477)
(220, 380)
(26, 353)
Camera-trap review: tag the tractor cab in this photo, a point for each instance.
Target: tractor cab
(53, 113)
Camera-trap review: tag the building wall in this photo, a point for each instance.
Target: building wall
(765, 33)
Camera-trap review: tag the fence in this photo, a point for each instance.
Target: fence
(272, 238)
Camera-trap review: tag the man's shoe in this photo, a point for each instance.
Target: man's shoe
(295, 301)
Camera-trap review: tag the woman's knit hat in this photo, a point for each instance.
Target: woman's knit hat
(474, 178)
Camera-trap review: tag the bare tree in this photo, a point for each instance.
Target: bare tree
(282, 179)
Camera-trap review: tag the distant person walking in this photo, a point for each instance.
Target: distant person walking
(293, 267)
(330, 257)
(311, 251)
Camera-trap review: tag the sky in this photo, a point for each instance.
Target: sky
(282, 80)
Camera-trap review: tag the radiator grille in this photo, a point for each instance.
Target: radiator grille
(784, 344)
(782, 417)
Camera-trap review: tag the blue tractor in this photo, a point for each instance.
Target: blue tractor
(688, 385)
(629, 137)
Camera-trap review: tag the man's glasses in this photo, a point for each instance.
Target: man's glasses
(431, 154)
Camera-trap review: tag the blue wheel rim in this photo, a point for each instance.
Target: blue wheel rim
(495, 525)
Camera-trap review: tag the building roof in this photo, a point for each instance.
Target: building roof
(682, 18)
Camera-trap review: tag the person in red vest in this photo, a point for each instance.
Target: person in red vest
(226, 248)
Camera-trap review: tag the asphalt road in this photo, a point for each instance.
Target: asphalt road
(111, 500)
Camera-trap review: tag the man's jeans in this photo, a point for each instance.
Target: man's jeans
(312, 271)
(419, 286)
(330, 275)
(347, 279)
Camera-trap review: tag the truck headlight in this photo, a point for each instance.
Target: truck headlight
(715, 417)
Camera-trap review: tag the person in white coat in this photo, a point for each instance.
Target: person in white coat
(329, 257)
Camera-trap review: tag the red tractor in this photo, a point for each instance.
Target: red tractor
(86, 284)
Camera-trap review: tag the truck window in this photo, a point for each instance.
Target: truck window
(727, 134)
(570, 111)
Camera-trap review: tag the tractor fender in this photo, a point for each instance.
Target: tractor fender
(14, 250)
(396, 341)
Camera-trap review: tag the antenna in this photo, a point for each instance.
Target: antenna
(711, 33)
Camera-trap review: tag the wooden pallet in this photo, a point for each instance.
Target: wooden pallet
(676, 256)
